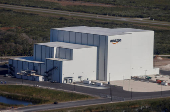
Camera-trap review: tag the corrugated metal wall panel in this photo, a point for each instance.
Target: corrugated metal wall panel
(60, 36)
(90, 39)
(66, 36)
(102, 58)
(68, 53)
(47, 52)
(72, 37)
(34, 55)
(43, 53)
(96, 40)
(38, 52)
(20, 66)
(62, 53)
(78, 38)
(84, 39)
(31, 66)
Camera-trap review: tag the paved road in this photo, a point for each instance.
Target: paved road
(162, 55)
(134, 20)
(117, 92)
(63, 105)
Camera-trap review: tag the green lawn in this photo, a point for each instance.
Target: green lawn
(39, 95)
(25, 29)
(155, 9)
(7, 106)
(151, 105)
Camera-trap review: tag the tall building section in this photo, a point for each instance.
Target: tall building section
(89, 53)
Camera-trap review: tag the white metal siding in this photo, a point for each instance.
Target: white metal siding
(81, 65)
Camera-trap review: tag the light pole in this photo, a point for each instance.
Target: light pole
(123, 80)
(129, 84)
(110, 92)
(161, 90)
(131, 93)
(145, 72)
(110, 88)
(109, 78)
(74, 85)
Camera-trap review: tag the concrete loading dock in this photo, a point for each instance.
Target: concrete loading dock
(93, 53)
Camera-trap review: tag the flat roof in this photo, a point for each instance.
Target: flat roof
(100, 30)
(28, 59)
(58, 59)
(64, 45)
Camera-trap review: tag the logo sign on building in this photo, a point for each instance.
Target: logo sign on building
(115, 41)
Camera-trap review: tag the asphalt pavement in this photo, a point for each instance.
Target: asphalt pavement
(117, 93)
(106, 17)
(64, 105)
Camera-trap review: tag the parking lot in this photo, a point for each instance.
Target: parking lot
(123, 88)
(141, 85)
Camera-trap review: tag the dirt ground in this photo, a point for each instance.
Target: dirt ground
(69, 2)
(162, 63)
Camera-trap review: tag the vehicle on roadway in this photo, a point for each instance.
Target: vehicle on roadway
(55, 102)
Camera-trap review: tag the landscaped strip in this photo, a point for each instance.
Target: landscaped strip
(151, 105)
(153, 10)
(38, 95)
(4, 106)
(19, 34)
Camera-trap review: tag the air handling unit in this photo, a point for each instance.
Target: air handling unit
(91, 53)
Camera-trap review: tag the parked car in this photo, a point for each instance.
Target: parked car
(147, 77)
(93, 83)
(53, 81)
(6, 75)
(55, 102)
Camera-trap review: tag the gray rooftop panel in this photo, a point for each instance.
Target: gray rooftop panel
(100, 30)
(28, 59)
(64, 45)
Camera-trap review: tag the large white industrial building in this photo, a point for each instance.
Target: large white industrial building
(89, 53)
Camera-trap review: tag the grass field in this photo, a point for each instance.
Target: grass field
(155, 9)
(151, 105)
(17, 35)
(7, 106)
(39, 95)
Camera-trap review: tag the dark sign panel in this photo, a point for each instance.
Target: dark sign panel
(115, 41)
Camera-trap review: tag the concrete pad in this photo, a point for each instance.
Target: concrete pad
(143, 86)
